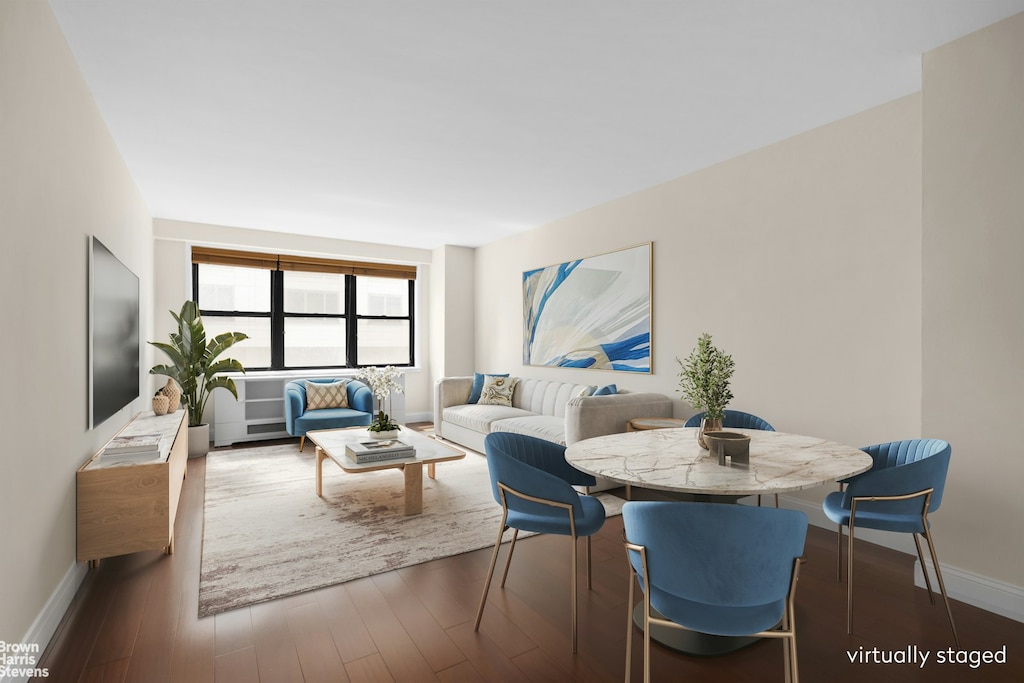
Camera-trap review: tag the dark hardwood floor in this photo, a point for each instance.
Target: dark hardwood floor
(134, 619)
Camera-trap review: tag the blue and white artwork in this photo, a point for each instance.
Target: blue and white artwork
(590, 313)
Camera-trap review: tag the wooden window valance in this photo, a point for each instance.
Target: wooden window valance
(309, 264)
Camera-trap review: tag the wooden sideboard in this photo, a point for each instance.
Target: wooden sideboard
(127, 508)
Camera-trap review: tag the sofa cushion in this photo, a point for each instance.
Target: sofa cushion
(544, 397)
(607, 390)
(478, 385)
(541, 426)
(479, 417)
(497, 391)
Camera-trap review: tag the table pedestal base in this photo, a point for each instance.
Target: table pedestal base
(690, 642)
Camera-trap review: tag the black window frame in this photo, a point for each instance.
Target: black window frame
(278, 316)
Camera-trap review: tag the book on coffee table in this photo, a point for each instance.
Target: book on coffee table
(373, 451)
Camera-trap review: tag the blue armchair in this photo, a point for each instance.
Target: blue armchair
(904, 484)
(725, 570)
(298, 420)
(533, 483)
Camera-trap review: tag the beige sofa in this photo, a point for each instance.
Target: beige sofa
(554, 411)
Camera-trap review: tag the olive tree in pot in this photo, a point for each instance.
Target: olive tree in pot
(195, 365)
(704, 383)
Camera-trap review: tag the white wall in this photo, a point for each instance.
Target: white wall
(173, 272)
(452, 311)
(61, 179)
(973, 282)
(802, 260)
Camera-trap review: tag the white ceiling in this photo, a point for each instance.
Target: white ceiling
(429, 122)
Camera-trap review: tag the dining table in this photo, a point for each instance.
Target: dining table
(673, 462)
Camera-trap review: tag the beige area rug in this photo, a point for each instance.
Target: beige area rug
(267, 534)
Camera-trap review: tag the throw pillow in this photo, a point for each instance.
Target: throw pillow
(326, 395)
(587, 391)
(607, 390)
(497, 390)
(478, 385)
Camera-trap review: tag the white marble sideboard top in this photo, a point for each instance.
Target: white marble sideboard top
(672, 460)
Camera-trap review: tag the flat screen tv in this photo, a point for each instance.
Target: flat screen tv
(113, 334)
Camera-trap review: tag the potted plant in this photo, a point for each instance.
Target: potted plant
(195, 367)
(704, 383)
(382, 382)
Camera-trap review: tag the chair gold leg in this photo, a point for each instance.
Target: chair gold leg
(924, 570)
(302, 442)
(490, 573)
(849, 586)
(629, 624)
(575, 571)
(942, 585)
(508, 560)
(839, 554)
(647, 637)
(590, 583)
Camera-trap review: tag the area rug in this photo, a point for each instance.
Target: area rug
(267, 534)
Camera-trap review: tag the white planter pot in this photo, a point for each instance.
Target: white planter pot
(198, 441)
(393, 434)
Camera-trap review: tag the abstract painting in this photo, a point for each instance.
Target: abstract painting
(593, 312)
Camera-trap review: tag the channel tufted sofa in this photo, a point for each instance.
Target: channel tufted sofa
(553, 411)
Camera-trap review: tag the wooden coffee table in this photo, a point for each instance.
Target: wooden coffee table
(330, 443)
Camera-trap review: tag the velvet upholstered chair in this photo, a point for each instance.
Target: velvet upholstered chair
(301, 417)
(725, 570)
(533, 483)
(736, 419)
(903, 486)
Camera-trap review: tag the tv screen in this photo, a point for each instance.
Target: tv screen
(113, 334)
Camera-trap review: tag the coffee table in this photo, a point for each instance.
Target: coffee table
(330, 443)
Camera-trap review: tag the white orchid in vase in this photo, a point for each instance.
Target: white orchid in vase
(382, 381)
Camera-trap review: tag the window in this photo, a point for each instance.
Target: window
(306, 312)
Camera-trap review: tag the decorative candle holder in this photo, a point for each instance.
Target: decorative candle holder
(732, 445)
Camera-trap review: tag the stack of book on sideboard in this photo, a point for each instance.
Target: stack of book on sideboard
(374, 450)
(135, 448)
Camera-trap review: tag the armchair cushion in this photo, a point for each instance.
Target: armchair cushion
(330, 395)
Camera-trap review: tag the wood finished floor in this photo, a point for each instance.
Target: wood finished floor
(134, 619)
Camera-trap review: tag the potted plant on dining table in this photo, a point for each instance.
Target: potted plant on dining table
(704, 383)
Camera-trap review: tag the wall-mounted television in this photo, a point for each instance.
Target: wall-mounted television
(113, 334)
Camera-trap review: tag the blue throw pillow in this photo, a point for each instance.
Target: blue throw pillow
(607, 390)
(478, 385)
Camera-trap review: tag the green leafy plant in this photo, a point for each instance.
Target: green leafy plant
(194, 361)
(382, 382)
(704, 378)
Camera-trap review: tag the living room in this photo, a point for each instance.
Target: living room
(863, 273)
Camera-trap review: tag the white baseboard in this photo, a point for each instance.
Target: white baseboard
(46, 623)
(994, 596)
(982, 592)
(419, 417)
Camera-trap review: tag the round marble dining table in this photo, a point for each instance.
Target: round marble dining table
(672, 460)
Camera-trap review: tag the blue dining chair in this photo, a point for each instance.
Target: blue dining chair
(737, 419)
(903, 486)
(726, 570)
(533, 483)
